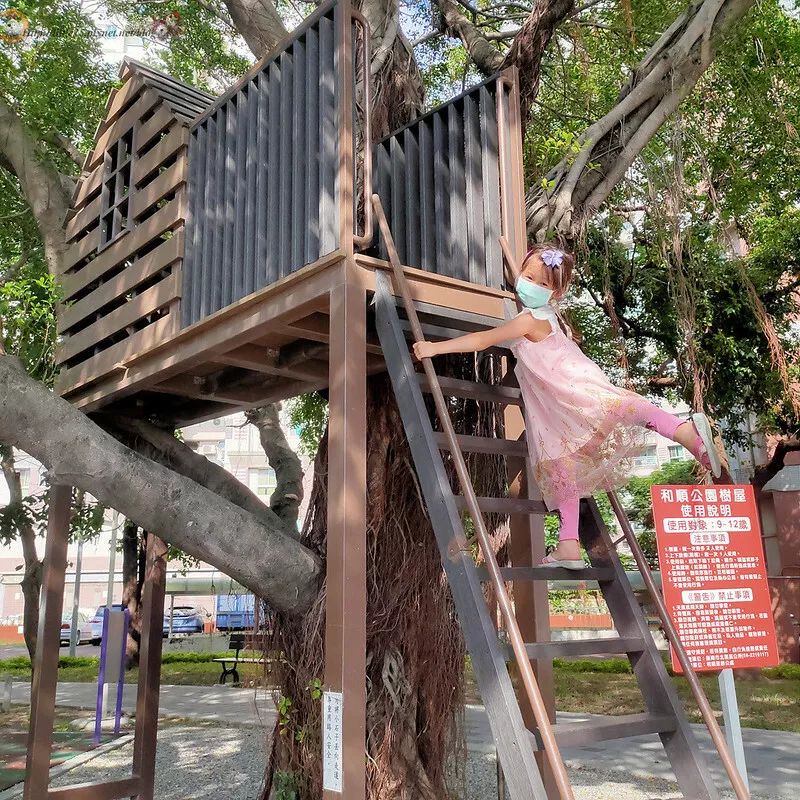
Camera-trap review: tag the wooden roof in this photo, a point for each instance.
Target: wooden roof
(186, 102)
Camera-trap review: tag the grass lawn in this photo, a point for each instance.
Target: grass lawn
(606, 687)
(768, 701)
(196, 670)
(763, 703)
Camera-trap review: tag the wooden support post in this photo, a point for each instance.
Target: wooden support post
(530, 597)
(146, 733)
(45, 664)
(345, 634)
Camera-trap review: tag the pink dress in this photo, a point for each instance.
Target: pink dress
(582, 431)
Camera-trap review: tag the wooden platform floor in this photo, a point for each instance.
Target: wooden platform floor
(270, 346)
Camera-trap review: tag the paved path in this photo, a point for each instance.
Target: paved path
(773, 757)
(219, 703)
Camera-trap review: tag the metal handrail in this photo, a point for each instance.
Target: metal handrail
(502, 153)
(512, 217)
(515, 636)
(672, 634)
(365, 239)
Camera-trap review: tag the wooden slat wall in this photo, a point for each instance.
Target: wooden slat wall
(262, 180)
(439, 182)
(117, 299)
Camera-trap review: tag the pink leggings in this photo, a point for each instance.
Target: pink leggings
(648, 416)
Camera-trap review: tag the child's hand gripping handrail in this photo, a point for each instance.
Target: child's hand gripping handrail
(517, 642)
(672, 634)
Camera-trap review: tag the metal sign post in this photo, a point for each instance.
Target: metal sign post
(733, 728)
(112, 654)
(112, 566)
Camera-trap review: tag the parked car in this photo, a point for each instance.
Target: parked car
(84, 628)
(186, 619)
(97, 622)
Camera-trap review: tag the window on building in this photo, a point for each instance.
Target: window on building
(114, 203)
(263, 481)
(25, 480)
(648, 458)
(676, 453)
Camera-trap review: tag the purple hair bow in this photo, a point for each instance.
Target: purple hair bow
(553, 258)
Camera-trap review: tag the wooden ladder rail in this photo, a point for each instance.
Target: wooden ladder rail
(672, 634)
(515, 637)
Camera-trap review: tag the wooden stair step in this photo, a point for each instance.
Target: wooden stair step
(465, 321)
(483, 392)
(485, 444)
(577, 734)
(550, 574)
(503, 505)
(437, 333)
(579, 647)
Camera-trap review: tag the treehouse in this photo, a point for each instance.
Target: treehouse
(209, 233)
(222, 255)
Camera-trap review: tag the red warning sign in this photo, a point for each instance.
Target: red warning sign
(713, 575)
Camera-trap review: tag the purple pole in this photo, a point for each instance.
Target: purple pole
(101, 679)
(121, 682)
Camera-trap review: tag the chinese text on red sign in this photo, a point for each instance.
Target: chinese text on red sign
(713, 575)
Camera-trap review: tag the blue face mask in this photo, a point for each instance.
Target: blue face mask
(531, 294)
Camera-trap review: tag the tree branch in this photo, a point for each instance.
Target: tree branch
(486, 57)
(766, 472)
(14, 268)
(161, 446)
(667, 74)
(629, 327)
(529, 46)
(40, 182)
(259, 24)
(285, 500)
(217, 12)
(206, 526)
(427, 37)
(65, 144)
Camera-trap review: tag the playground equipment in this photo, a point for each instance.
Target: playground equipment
(112, 652)
(229, 262)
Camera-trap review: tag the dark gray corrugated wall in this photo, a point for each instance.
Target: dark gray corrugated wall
(262, 177)
(439, 182)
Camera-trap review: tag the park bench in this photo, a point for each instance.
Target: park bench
(237, 644)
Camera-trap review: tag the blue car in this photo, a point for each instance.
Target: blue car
(97, 622)
(185, 619)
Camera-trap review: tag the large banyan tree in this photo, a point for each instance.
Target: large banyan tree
(621, 141)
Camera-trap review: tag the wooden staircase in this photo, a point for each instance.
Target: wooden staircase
(397, 318)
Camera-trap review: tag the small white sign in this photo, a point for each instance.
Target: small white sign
(332, 741)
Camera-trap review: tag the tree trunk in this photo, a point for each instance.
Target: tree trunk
(133, 562)
(32, 578)
(398, 92)
(415, 650)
